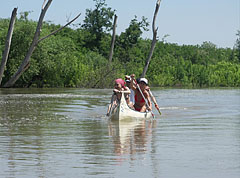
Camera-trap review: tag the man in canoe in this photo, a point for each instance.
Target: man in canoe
(141, 94)
(119, 88)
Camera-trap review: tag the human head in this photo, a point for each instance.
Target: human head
(143, 80)
(127, 77)
(127, 80)
(119, 83)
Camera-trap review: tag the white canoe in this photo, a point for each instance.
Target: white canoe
(124, 112)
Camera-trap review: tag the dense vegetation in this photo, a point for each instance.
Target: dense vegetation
(78, 57)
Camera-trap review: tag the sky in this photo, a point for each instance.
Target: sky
(187, 22)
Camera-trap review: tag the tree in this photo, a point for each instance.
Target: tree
(238, 45)
(113, 40)
(154, 40)
(130, 38)
(132, 34)
(26, 62)
(97, 22)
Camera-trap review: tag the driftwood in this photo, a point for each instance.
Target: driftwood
(113, 39)
(26, 62)
(154, 40)
(8, 43)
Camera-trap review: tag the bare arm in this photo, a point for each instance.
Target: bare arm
(133, 85)
(126, 91)
(153, 99)
(147, 96)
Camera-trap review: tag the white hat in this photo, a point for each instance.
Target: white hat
(143, 80)
(127, 77)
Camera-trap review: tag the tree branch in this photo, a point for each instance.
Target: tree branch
(54, 32)
(43, 4)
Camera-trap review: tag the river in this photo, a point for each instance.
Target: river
(64, 133)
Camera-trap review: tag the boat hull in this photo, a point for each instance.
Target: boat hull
(124, 112)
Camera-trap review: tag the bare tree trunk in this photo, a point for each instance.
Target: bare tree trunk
(26, 62)
(113, 39)
(154, 40)
(8, 43)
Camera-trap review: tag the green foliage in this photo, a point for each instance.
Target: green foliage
(193, 66)
(24, 15)
(21, 40)
(128, 40)
(133, 33)
(238, 45)
(75, 58)
(97, 22)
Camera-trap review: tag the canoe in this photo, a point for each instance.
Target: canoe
(124, 112)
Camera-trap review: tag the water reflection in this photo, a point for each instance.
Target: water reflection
(62, 133)
(130, 137)
(25, 150)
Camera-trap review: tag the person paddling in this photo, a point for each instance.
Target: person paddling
(119, 88)
(140, 104)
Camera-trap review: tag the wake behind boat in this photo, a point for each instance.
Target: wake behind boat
(123, 112)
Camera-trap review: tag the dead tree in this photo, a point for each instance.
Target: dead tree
(26, 62)
(154, 40)
(7, 43)
(110, 68)
(113, 39)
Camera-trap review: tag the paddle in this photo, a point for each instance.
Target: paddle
(144, 97)
(155, 102)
